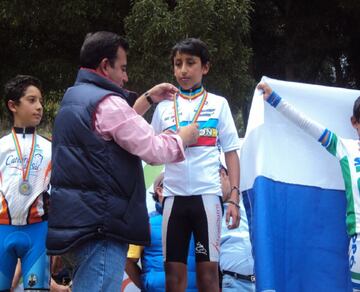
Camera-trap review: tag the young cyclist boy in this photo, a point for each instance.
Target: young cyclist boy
(347, 151)
(24, 179)
(192, 188)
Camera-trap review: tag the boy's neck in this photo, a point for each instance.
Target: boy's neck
(24, 130)
(191, 93)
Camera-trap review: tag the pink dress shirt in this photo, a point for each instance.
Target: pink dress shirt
(116, 120)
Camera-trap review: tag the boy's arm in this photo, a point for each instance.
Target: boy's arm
(132, 268)
(233, 166)
(154, 95)
(133, 271)
(17, 276)
(313, 128)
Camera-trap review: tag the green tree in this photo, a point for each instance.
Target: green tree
(307, 41)
(350, 11)
(43, 38)
(154, 26)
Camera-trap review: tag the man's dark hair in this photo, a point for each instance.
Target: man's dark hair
(191, 46)
(100, 45)
(15, 88)
(356, 109)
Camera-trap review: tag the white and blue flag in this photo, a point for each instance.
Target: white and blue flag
(294, 192)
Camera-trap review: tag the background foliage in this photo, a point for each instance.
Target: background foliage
(223, 24)
(306, 41)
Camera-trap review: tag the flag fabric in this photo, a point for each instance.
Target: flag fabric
(294, 193)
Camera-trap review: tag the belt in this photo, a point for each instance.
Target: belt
(250, 278)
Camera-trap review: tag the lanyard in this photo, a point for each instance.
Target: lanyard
(197, 113)
(25, 170)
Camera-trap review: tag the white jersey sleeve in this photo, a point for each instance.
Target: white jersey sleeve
(228, 136)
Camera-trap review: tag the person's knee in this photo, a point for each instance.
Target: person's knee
(176, 275)
(207, 274)
(173, 280)
(208, 279)
(175, 283)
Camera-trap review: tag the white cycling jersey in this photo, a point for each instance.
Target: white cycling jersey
(198, 174)
(17, 208)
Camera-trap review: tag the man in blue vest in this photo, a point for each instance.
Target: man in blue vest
(99, 138)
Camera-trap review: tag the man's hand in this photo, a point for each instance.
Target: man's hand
(55, 287)
(189, 134)
(156, 94)
(265, 88)
(162, 91)
(232, 212)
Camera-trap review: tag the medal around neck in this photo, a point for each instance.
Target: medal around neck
(197, 112)
(25, 188)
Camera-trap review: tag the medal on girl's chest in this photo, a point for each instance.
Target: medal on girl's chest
(25, 187)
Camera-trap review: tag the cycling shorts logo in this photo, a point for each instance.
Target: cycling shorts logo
(200, 249)
(32, 280)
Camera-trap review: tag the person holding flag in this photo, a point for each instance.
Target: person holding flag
(348, 153)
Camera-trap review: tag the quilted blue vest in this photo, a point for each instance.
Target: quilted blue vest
(98, 188)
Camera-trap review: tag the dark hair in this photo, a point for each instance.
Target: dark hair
(154, 194)
(356, 109)
(191, 46)
(100, 45)
(15, 88)
(159, 182)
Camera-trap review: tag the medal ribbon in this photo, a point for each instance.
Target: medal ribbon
(198, 111)
(25, 174)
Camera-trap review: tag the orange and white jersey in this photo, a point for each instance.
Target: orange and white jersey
(17, 208)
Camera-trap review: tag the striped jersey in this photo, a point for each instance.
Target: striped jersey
(17, 208)
(348, 153)
(198, 174)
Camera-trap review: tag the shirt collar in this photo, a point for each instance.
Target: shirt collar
(26, 130)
